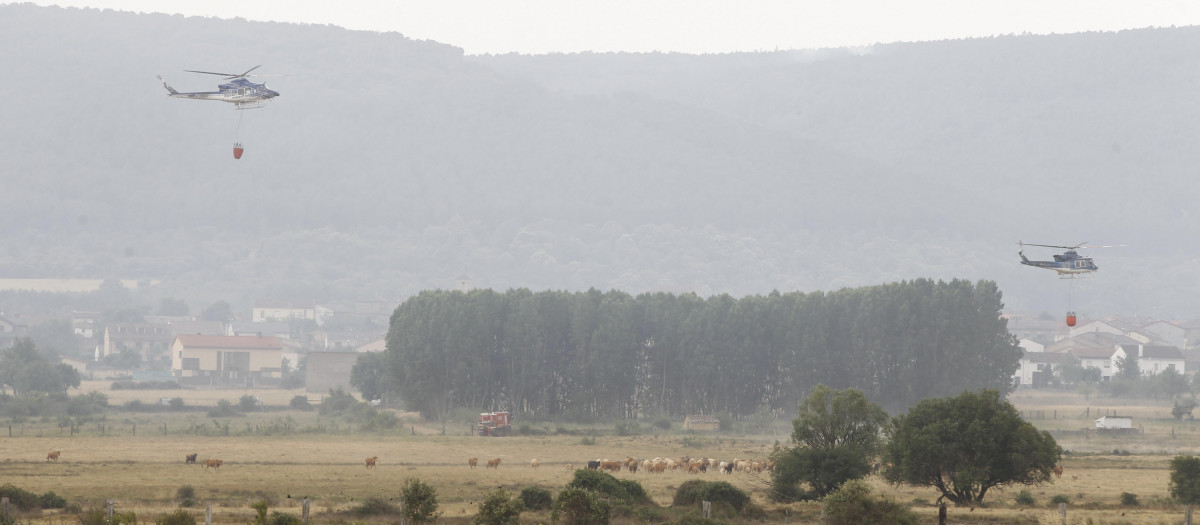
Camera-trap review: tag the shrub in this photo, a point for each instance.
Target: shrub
(179, 517)
(1025, 498)
(420, 501)
(176, 403)
(300, 403)
(1129, 500)
(20, 498)
(281, 518)
(852, 504)
(248, 402)
(50, 500)
(663, 423)
(587, 441)
(692, 517)
(374, 506)
(537, 498)
(185, 492)
(693, 491)
(499, 509)
(628, 491)
(1059, 498)
(627, 428)
(578, 506)
(224, 408)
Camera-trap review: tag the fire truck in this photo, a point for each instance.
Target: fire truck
(494, 424)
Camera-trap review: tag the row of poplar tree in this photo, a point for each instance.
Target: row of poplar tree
(593, 354)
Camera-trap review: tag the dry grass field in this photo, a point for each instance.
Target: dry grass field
(143, 472)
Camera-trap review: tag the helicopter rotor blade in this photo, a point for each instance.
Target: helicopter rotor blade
(1050, 245)
(228, 76)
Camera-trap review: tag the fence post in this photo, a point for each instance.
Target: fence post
(208, 514)
(1187, 517)
(108, 510)
(304, 511)
(707, 508)
(942, 514)
(4, 503)
(1062, 512)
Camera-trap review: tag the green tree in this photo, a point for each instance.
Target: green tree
(1185, 479)
(499, 508)
(1127, 368)
(420, 501)
(578, 506)
(218, 311)
(370, 375)
(836, 435)
(967, 444)
(26, 371)
(173, 307)
(1183, 408)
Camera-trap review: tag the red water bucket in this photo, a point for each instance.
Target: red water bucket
(1070, 318)
(237, 151)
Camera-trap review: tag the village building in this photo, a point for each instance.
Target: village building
(1151, 360)
(696, 422)
(227, 360)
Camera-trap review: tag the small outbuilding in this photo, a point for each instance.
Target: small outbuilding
(701, 423)
(1114, 423)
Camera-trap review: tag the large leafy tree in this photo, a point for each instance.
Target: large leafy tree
(1185, 479)
(25, 371)
(966, 445)
(369, 375)
(836, 436)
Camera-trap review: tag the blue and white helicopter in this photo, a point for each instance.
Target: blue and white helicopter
(1068, 265)
(242, 93)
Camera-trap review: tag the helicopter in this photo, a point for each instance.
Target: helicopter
(241, 92)
(1069, 264)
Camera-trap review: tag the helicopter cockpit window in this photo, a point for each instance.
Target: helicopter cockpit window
(241, 91)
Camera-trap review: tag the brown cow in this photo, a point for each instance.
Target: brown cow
(1058, 471)
(614, 466)
(189, 459)
(53, 456)
(535, 463)
(371, 461)
(494, 463)
(212, 464)
(472, 462)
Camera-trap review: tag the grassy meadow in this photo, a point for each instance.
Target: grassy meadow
(137, 459)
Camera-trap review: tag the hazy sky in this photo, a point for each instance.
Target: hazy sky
(689, 26)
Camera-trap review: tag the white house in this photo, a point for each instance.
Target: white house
(1112, 326)
(1029, 345)
(1169, 333)
(1097, 358)
(1037, 368)
(1151, 360)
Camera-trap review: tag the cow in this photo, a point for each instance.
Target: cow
(472, 462)
(593, 465)
(614, 466)
(53, 456)
(494, 463)
(214, 464)
(1058, 471)
(371, 461)
(189, 459)
(535, 463)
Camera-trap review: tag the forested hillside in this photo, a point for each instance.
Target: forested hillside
(389, 166)
(610, 354)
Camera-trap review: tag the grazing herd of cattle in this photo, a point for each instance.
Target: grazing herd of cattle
(630, 464)
(686, 464)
